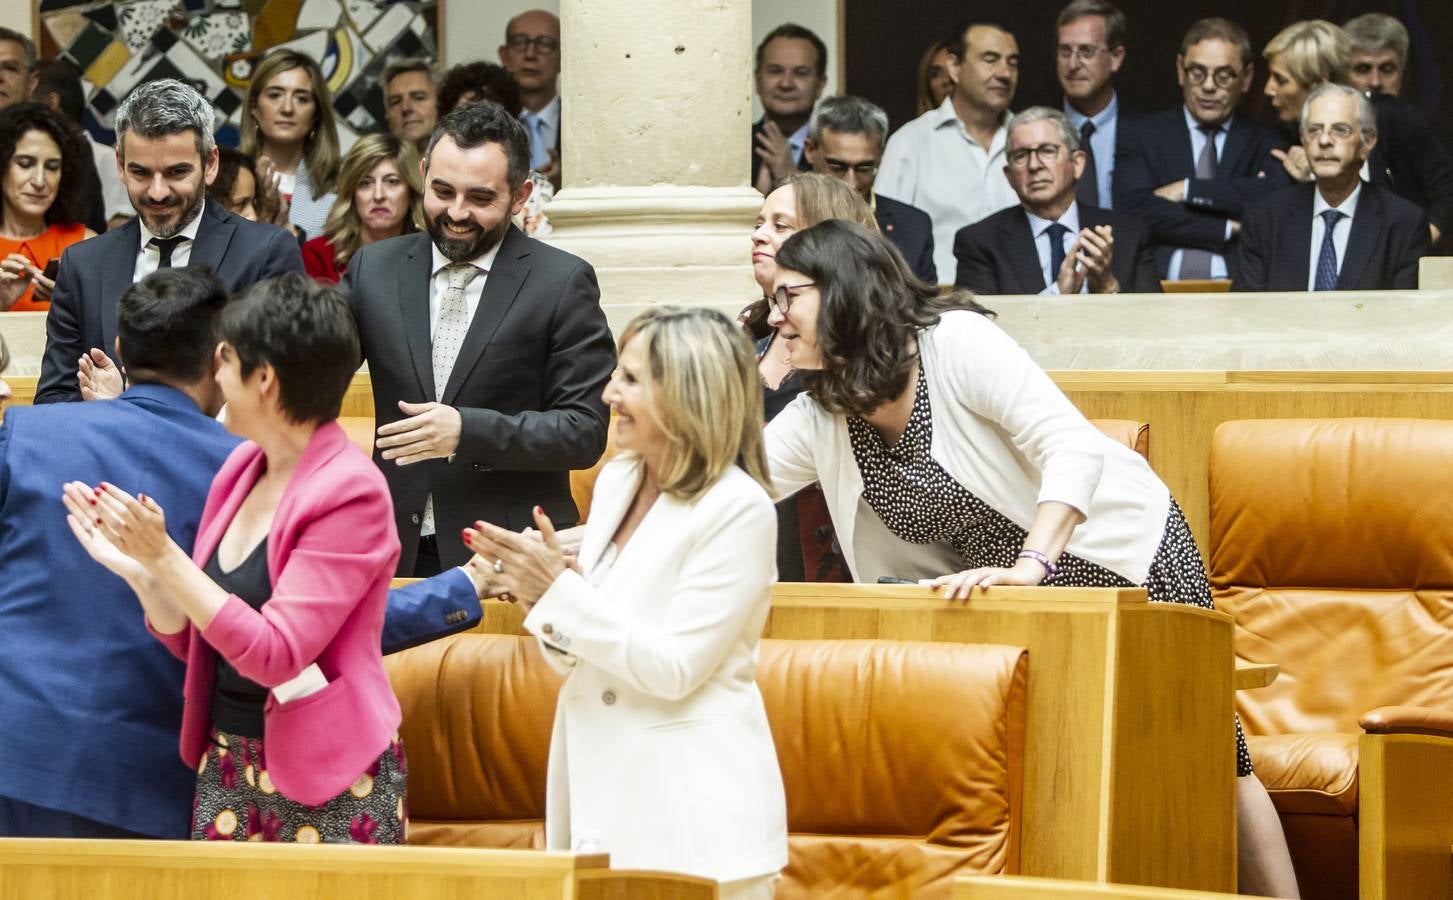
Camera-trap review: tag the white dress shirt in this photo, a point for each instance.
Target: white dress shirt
(472, 292)
(932, 163)
(308, 212)
(1348, 208)
(1040, 229)
(1102, 142)
(148, 257)
(1198, 143)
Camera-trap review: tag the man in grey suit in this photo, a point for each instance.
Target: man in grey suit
(167, 156)
(487, 350)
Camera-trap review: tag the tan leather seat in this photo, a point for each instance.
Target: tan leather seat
(1135, 435)
(1332, 547)
(885, 792)
(359, 430)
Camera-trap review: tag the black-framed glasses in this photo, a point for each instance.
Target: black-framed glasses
(543, 44)
(840, 168)
(1048, 155)
(1340, 131)
(1085, 53)
(1223, 77)
(781, 299)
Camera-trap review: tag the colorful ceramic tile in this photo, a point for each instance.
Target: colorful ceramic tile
(50, 6)
(318, 14)
(88, 45)
(363, 13)
(140, 19)
(108, 63)
(275, 24)
(314, 44)
(389, 26)
(65, 27)
(219, 34)
(103, 15)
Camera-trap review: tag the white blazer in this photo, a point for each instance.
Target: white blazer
(661, 754)
(1002, 429)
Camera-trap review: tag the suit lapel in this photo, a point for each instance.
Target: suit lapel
(1238, 137)
(213, 235)
(117, 273)
(413, 294)
(1297, 231)
(607, 508)
(1181, 148)
(1022, 252)
(1367, 223)
(500, 289)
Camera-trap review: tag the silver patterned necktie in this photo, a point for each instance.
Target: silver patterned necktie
(1196, 263)
(449, 333)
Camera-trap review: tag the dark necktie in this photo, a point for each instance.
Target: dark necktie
(1087, 189)
(1056, 233)
(1197, 263)
(165, 246)
(1327, 259)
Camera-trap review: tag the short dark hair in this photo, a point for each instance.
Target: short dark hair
(483, 123)
(1114, 19)
(871, 306)
(230, 162)
(305, 331)
(958, 42)
(796, 32)
(849, 115)
(61, 78)
(20, 118)
(490, 81)
(26, 44)
(166, 323)
(1218, 29)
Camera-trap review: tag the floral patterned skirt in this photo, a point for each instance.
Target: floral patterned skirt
(236, 800)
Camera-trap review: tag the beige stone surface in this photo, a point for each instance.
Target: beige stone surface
(1435, 272)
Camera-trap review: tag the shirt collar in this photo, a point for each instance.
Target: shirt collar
(1101, 118)
(1194, 124)
(549, 113)
(945, 116)
(190, 232)
(798, 138)
(1070, 220)
(1346, 207)
(484, 261)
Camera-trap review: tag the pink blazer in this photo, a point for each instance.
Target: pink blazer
(330, 555)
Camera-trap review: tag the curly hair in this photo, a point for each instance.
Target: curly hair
(870, 311)
(21, 118)
(486, 81)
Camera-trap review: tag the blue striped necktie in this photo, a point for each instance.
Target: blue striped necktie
(1327, 259)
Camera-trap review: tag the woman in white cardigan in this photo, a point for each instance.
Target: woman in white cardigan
(661, 755)
(947, 454)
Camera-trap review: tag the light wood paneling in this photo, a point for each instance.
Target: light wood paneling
(1405, 816)
(1008, 887)
(185, 870)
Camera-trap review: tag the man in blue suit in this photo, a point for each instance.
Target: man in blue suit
(91, 703)
(168, 156)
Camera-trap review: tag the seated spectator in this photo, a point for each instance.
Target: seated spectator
(411, 99)
(1051, 243)
(1338, 233)
(288, 129)
(235, 187)
(790, 75)
(845, 141)
(44, 168)
(380, 196)
(17, 61)
(531, 53)
(1089, 51)
(1379, 53)
(949, 162)
(475, 82)
(58, 85)
(935, 76)
(1190, 171)
(1407, 158)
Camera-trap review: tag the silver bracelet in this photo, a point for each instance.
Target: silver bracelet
(1049, 568)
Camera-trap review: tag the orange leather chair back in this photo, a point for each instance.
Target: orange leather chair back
(359, 430)
(582, 481)
(1135, 435)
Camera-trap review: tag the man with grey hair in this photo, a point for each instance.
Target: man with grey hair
(167, 156)
(845, 140)
(1337, 232)
(1051, 243)
(411, 99)
(1379, 53)
(17, 67)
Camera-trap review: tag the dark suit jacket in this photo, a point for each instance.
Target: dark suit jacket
(911, 231)
(527, 384)
(1411, 161)
(1155, 150)
(997, 255)
(802, 163)
(1389, 236)
(94, 274)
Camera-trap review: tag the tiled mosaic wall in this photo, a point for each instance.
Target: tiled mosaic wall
(215, 43)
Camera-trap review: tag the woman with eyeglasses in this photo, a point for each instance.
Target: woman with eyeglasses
(946, 454)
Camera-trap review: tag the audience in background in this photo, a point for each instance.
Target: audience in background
(58, 85)
(43, 169)
(1089, 51)
(1052, 243)
(935, 76)
(411, 99)
(380, 196)
(1379, 53)
(791, 71)
(1338, 233)
(288, 129)
(235, 186)
(1190, 171)
(949, 162)
(846, 140)
(476, 82)
(17, 60)
(531, 53)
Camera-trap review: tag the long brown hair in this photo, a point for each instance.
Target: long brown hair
(344, 228)
(320, 148)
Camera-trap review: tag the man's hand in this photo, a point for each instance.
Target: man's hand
(1071, 277)
(1175, 192)
(1095, 250)
(551, 169)
(272, 206)
(98, 376)
(431, 432)
(16, 273)
(1296, 163)
(776, 157)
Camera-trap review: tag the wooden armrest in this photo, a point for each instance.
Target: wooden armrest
(1250, 677)
(1408, 720)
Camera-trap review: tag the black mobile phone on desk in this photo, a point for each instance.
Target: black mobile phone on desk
(52, 268)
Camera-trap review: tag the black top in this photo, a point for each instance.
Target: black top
(237, 701)
(774, 400)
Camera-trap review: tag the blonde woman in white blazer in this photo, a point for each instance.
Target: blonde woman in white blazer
(947, 454)
(661, 754)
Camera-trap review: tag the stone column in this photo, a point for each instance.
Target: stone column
(656, 105)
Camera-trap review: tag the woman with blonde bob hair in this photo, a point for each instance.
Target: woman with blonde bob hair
(380, 195)
(660, 733)
(1300, 57)
(288, 128)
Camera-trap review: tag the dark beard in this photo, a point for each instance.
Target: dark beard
(188, 214)
(464, 249)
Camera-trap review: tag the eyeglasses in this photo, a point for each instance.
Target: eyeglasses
(840, 168)
(781, 299)
(1340, 131)
(543, 44)
(1048, 155)
(1223, 77)
(1085, 53)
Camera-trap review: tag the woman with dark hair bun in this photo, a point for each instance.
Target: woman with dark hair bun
(40, 205)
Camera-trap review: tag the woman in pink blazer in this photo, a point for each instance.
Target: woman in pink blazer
(278, 612)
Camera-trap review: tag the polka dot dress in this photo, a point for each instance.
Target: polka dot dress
(922, 504)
